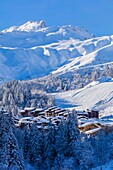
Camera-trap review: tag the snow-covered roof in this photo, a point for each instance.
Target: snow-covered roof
(38, 110)
(25, 122)
(61, 113)
(21, 111)
(39, 127)
(88, 124)
(27, 119)
(41, 113)
(92, 131)
(82, 116)
(29, 108)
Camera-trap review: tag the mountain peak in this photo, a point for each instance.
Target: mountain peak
(27, 27)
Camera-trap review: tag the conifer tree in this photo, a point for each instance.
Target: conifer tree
(10, 155)
(49, 147)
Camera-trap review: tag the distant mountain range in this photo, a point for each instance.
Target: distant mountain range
(33, 50)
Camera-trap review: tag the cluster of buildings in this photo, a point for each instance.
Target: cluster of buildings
(88, 121)
(41, 117)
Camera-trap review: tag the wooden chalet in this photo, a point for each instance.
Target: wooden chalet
(89, 113)
(66, 114)
(93, 131)
(32, 112)
(38, 112)
(27, 111)
(88, 126)
(93, 113)
(23, 113)
(61, 114)
(54, 111)
(24, 123)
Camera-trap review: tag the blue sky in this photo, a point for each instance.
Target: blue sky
(95, 15)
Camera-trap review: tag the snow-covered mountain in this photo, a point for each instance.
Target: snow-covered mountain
(29, 26)
(34, 50)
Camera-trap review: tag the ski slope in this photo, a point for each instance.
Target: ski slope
(97, 95)
(33, 50)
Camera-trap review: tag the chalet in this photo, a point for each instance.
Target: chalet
(61, 114)
(51, 108)
(66, 114)
(23, 113)
(89, 113)
(55, 112)
(82, 117)
(93, 113)
(88, 126)
(24, 122)
(38, 112)
(93, 131)
(51, 112)
(48, 114)
(59, 111)
(26, 112)
(31, 112)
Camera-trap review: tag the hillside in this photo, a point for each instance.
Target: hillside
(97, 95)
(34, 50)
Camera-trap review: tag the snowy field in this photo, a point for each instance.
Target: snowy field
(98, 95)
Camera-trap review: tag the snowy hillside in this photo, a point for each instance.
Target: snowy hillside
(33, 50)
(98, 95)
